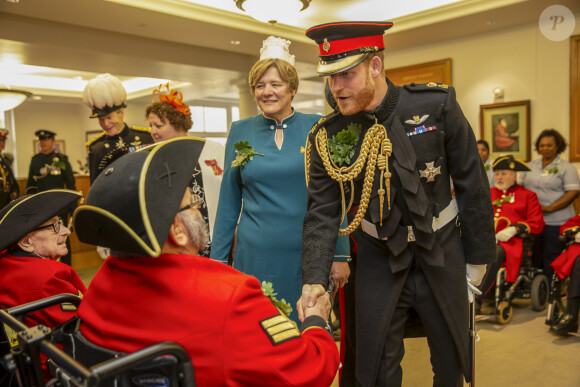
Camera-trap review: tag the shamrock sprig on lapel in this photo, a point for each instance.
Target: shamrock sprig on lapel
(552, 170)
(282, 304)
(343, 144)
(244, 153)
(499, 202)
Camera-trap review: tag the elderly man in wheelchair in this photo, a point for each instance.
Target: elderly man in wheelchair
(564, 320)
(154, 288)
(517, 216)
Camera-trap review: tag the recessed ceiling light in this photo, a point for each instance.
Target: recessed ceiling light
(490, 22)
(235, 42)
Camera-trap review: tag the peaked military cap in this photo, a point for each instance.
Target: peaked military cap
(26, 214)
(3, 134)
(510, 163)
(132, 204)
(44, 134)
(343, 45)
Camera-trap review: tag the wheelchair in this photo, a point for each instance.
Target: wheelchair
(530, 284)
(558, 291)
(162, 364)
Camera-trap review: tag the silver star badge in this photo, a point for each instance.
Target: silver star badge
(430, 171)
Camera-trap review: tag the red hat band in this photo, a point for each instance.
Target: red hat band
(343, 45)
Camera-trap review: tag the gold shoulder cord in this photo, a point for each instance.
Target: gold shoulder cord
(375, 138)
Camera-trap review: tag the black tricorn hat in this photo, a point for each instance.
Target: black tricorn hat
(343, 45)
(131, 205)
(510, 163)
(28, 212)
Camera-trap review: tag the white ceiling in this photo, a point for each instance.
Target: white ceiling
(191, 44)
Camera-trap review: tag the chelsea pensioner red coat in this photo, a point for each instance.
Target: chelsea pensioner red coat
(516, 205)
(233, 333)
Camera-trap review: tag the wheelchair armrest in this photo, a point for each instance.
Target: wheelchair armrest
(115, 366)
(44, 303)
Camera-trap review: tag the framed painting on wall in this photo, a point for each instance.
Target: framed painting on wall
(506, 127)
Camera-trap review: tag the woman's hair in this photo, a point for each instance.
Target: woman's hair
(560, 142)
(166, 111)
(484, 143)
(287, 72)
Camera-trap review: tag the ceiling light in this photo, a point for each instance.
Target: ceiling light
(272, 11)
(9, 99)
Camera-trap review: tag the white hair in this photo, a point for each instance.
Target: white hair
(104, 90)
(196, 228)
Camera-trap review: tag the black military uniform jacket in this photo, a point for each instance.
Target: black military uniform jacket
(50, 171)
(9, 189)
(432, 141)
(104, 149)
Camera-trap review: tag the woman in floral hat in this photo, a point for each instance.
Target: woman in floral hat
(170, 117)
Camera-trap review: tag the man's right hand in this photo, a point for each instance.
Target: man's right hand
(311, 302)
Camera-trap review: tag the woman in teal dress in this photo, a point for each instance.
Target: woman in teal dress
(267, 192)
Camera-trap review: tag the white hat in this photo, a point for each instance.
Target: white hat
(274, 47)
(104, 94)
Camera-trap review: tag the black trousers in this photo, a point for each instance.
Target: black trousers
(547, 246)
(417, 294)
(491, 272)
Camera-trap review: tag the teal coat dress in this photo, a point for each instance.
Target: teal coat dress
(272, 188)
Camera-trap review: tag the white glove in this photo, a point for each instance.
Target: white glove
(506, 234)
(474, 274)
(577, 237)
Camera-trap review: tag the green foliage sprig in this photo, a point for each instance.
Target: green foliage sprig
(552, 170)
(244, 153)
(282, 304)
(343, 144)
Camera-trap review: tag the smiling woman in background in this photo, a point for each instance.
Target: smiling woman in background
(264, 169)
(556, 183)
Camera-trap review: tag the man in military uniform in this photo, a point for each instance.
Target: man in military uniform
(9, 189)
(107, 98)
(50, 169)
(421, 250)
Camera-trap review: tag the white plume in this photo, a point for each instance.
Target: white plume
(104, 90)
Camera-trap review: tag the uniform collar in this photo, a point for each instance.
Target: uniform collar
(272, 124)
(123, 133)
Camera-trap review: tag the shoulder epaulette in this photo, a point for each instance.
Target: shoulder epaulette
(325, 120)
(141, 129)
(90, 142)
(431, 86)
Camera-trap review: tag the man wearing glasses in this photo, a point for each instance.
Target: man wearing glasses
(32, 239)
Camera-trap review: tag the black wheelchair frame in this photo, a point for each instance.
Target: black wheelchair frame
(530, 284)
(24, 358)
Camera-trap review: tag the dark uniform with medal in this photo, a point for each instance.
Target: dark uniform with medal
(418, 247)
(9, 189)
(105, 95)
(50, 170)
(104, 149)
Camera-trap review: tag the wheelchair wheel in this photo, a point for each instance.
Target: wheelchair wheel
(504, 312)
(540, 292)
